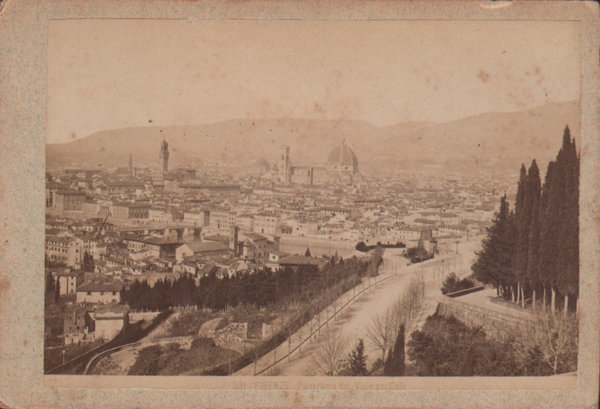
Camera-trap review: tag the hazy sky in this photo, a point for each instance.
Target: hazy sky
(105, 74)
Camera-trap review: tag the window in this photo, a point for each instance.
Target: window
(114, 293)
(101, 292)
(89, 293)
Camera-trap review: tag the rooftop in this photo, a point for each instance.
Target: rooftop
(206, 246)
(96, 287)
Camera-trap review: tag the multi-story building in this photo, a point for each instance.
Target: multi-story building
(245, 222)
(267, 224)
(160, 215)
(68, 281)
(92, 246)
(124, 187)
(91, 208)
(221, 221)
(126, 210)
(65, 250)
(99, 293)
(68, 200)
(156, 247)
(256, 247)
(203, 248)
(196, 218)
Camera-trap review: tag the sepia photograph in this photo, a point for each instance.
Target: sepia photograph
(237, 204)
(316, 198)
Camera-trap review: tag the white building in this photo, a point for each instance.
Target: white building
(107, 324)
(67, 281)
(267, 224)
(99, 293)
(194, 218)
(66, 250)
(221, 221)
(245, 222)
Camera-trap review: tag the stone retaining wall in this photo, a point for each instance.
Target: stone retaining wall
(494, 323)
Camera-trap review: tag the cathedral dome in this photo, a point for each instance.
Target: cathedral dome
(343, 158)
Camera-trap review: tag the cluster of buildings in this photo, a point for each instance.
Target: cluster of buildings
(108, 228)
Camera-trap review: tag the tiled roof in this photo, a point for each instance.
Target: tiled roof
(206, 246)
(95, 287)
(253, 236)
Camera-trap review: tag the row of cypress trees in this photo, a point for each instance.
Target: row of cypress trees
(262, 288)
(531, 252)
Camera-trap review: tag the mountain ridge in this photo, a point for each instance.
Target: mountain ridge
(493, 139)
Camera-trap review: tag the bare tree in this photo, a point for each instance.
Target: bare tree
(382, 330)
(331, 353)
(554, 337)
(409, 304)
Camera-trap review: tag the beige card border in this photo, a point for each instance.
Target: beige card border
(23, 46)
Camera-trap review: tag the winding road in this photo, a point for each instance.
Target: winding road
(352, 323)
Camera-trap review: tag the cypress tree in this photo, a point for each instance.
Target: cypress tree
(522, 229)
(567, 278)
(559, 232)
(536, 247)
(357, 360)
(534, 189)
(494, 262)
(548, 232)
(394, 365)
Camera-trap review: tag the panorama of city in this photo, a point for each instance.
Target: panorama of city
(236, 198)
(289, 269)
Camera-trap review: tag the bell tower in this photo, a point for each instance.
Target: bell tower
(285, 168)
(164, 155)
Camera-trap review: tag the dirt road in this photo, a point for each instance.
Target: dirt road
(352, 324)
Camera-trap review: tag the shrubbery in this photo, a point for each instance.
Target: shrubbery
(447, 347)
(188, 323)
(171, 359)
(452, 284)
(356, 364)
(362, 246)
(418, 254)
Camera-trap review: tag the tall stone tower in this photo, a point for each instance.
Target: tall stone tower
(285, 167)
(164, 155)
(131, 170)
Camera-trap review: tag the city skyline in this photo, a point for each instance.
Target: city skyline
(471, 142)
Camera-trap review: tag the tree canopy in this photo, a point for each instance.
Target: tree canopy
(534, 250)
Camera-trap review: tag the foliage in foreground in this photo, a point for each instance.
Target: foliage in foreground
(356, 364)
(447, 347)
(189, 322)
(171, 359)
(383, 330)
(394, 365)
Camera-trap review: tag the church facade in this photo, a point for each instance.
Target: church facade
(341, 168)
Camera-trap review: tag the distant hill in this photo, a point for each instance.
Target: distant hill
(492, 140)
